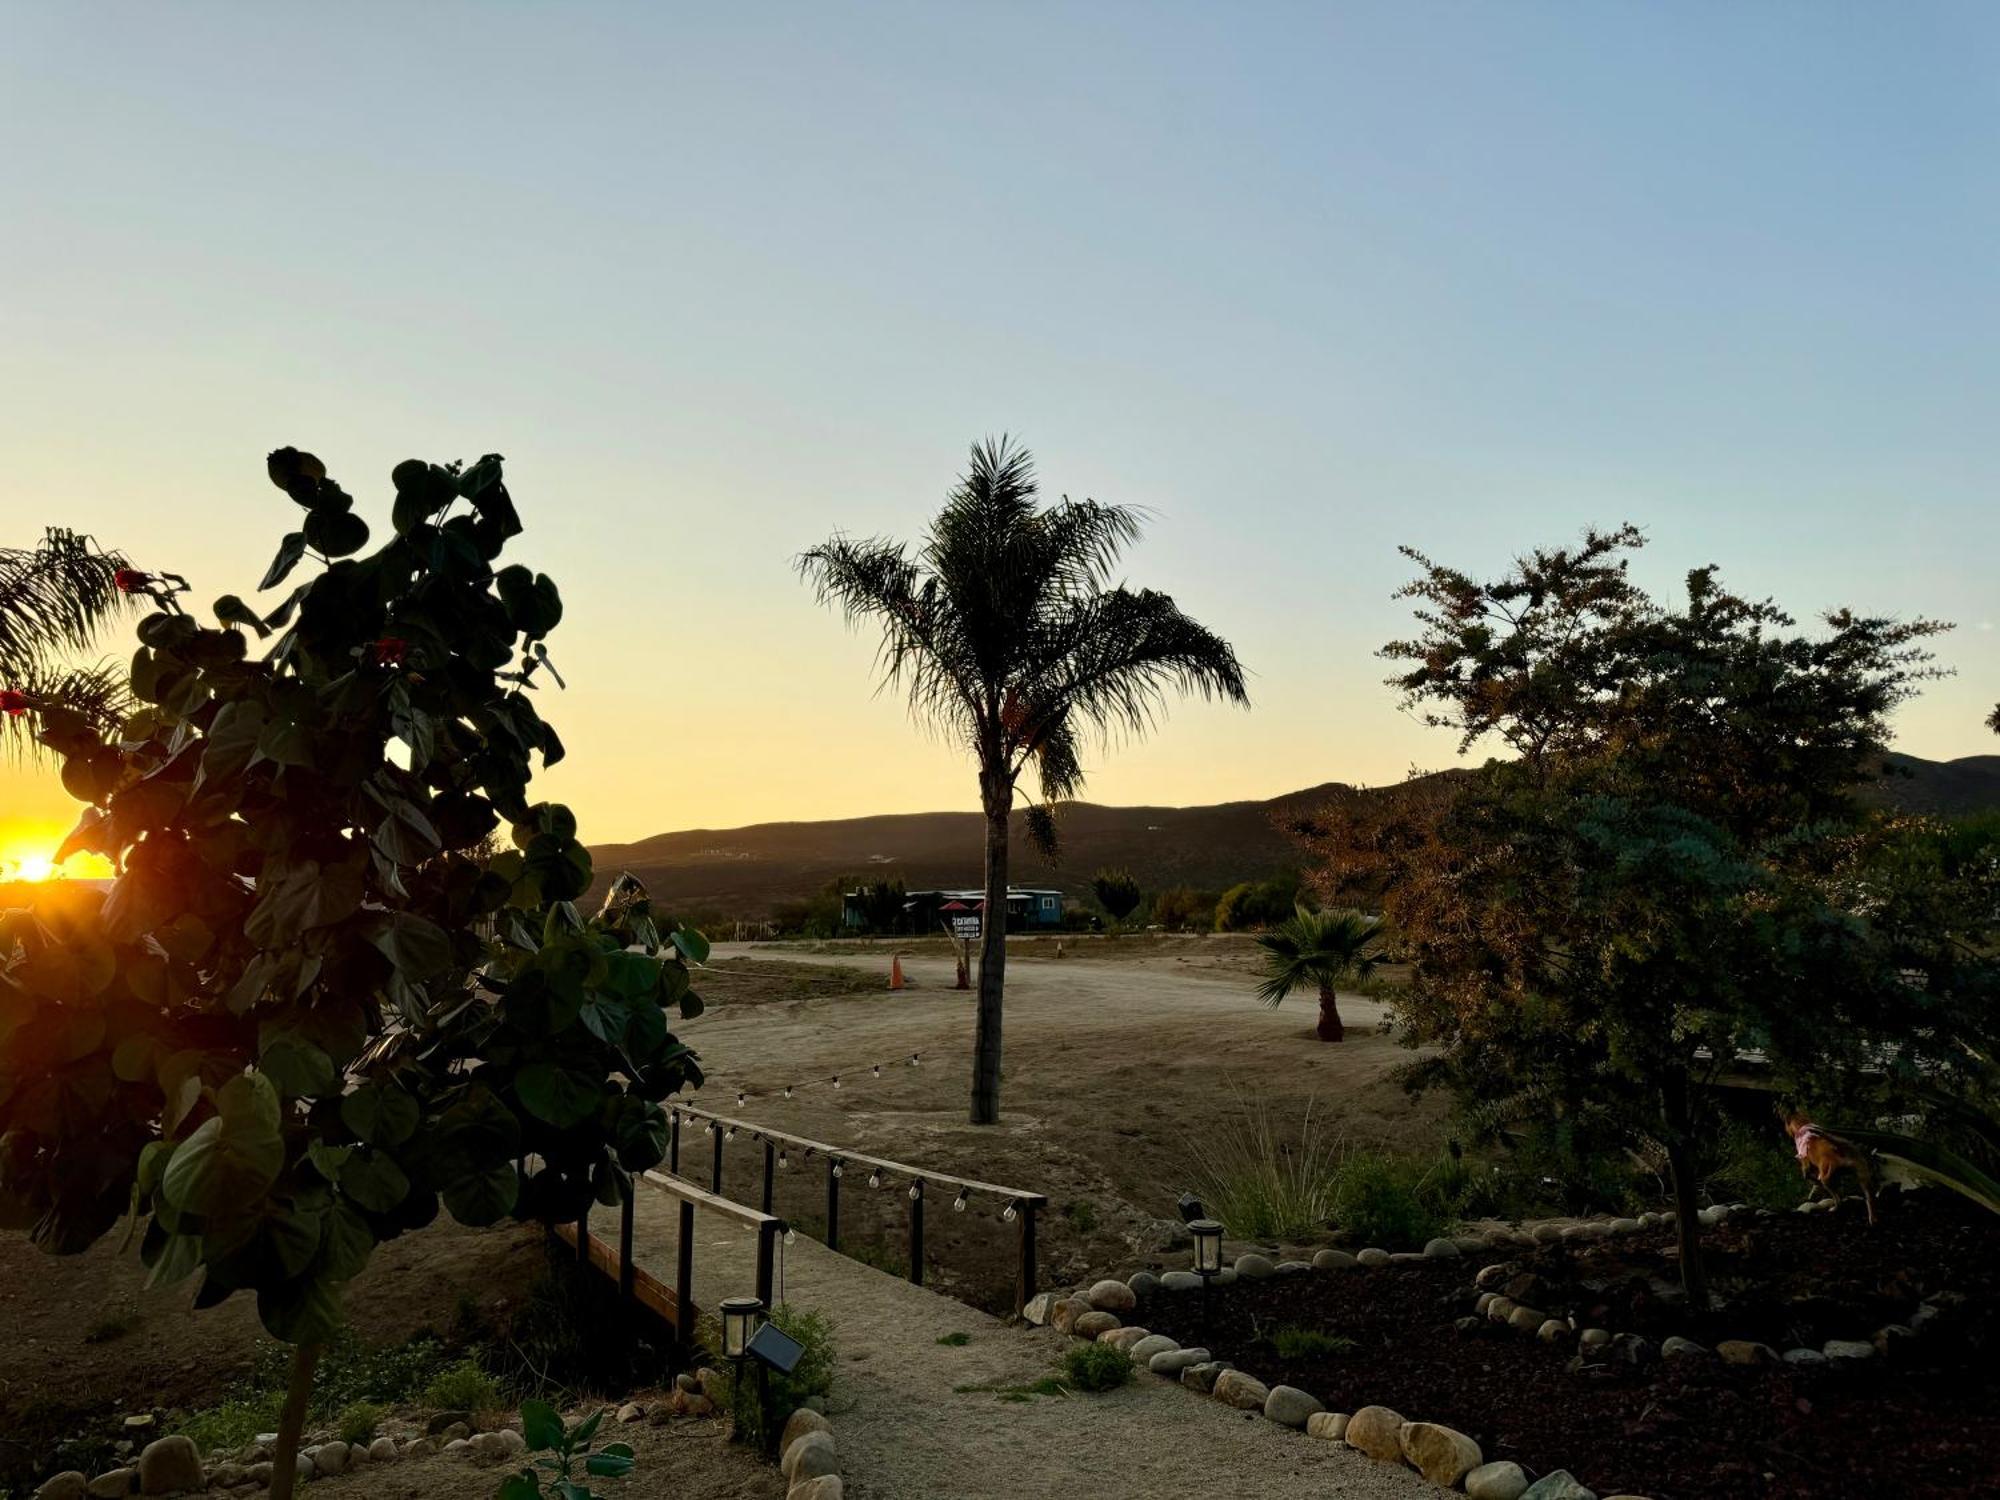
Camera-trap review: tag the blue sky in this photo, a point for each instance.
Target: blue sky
(1306, 281)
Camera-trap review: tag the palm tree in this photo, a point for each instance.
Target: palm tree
(1005, 632)
(1322, 948)
(54, 599)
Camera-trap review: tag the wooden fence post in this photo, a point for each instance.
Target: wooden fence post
(917, 1232)
(1024, 1286)
(684, 1276)
(833, 1203)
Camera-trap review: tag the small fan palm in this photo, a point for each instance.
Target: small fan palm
(1322, 948)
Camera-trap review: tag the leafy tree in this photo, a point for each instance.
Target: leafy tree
(303, 1017)
(1321, 948)
(1117, 892)
(1182, 908)
(1008, 640)
(1251, 904)
(881, 903)
(55, 598)
(1636, 896)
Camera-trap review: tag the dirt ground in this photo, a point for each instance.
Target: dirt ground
(1117, 1055)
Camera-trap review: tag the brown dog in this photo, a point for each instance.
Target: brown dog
(1822, 1154)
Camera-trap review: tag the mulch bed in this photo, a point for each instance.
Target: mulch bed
(1925, 1422)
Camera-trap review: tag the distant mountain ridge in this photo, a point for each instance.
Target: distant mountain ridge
(745, 871)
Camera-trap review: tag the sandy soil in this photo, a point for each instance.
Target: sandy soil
(1117, 1055)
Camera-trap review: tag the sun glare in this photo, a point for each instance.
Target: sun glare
(27, 854)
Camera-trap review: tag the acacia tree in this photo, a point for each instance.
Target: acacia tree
(1637, 895)
(305, 1014)
(1117, 892)
(1009, 640)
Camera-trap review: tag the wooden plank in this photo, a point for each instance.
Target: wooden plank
(647, 1289)
(687, 1192)
(901, 1169)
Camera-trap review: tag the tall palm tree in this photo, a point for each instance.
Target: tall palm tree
(1322, 948)
(54, 599)
(1005, 631)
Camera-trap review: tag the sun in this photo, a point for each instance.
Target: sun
(27, 853)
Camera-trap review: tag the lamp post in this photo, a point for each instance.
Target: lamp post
(1207, 1259)
(741, 1317)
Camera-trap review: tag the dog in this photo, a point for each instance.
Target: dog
(1821, 1154)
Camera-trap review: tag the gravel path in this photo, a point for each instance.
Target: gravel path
(908, 1430)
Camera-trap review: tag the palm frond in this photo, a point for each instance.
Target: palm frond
(97, 692)
(1315, 948)
(54, 598)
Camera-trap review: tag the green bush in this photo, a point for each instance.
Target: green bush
(1380, 1200)
(1097, 1367)
(463, 1387)
(358, 1421)
(812, 1376)
(234, 1423)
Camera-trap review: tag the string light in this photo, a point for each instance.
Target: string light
(836, 1169)
(791, 1235)
(788, 1091)
(729, 1134)
(740, 1097)
(875, 1178)
(836, 1080)
(1009, 1216)
(744, 1095)
(878, 1070)
(958, 1203)
(913, 1059)
(916, 1190)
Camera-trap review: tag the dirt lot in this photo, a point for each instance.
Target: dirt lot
(1117, 1054)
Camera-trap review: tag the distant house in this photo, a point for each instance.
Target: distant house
(1028, 909)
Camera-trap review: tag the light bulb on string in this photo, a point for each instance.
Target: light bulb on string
(875, 1178)
(916, 1190)
(878, 1070)
(740, 1097)
(1009, 1216)
(729, 1134)
(788, 1091)
(913, 1059)
(791, 1235)
(782, 1163)
(958, 1203)
(836, 1169)
(836, 1080)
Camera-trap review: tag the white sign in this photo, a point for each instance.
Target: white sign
(965, 925)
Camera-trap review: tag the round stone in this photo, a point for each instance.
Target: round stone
(1254, 1267)
(1245, 1392)
(1091, 1324)
(1443, 1455)
(1442, 1249)
(1333, 1260)
(1289, 1406)
(1372, 1257)
(1496, 1481)
(1143, 1350)
(1378, 1432)
(1328, 1425)
(1674, 1347)
(1111, 1296)
(1173, 1361)
(1552, 1331)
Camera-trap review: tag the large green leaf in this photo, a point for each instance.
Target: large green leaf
(480, 1198)
(346, 1242)
(290, 550)
(1939, 1163)
(297, 1067)
(406, 835)
(374, 1181)
(541, 1425)
(380, 1114)
(304, 1311)
(294, 898)
(557, 1095)
(417, 946)
(233, 1158)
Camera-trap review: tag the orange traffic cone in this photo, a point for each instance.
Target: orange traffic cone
(896, 971)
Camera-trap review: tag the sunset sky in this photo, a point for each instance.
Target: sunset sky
(1305, 281)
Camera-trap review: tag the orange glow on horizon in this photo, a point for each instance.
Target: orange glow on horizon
(27, 853)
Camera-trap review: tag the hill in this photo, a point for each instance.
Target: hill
(744, 871)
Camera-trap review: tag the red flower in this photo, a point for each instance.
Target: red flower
(14, 702)
(390, 651)
(130, 580)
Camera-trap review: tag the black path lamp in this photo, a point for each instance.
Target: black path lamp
(741, 1318)
(1207, 1258)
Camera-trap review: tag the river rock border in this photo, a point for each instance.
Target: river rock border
(1443, 1455)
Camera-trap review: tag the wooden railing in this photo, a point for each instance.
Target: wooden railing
(1022, 1206)
(674, 1304)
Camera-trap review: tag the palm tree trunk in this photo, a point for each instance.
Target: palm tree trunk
(1330, 1029)
(992, 962)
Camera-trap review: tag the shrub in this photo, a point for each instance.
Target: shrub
(1756, 1167)
(358, 1421)
(234, 1423)
(1097, 1367)
(812, 1376)
(463, 1387)
(1379, 1199)
(1293, 1342)
(1261, 1180)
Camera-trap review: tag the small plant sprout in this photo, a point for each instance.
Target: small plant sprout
(564, 1457)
